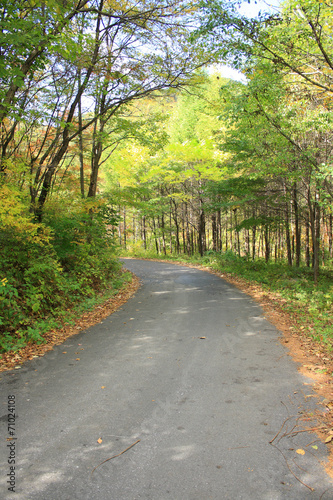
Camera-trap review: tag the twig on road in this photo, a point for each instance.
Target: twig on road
(310, 429)
(296, 477)
(114, 456)
(276, 435)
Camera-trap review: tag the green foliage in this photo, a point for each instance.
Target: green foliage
(33, 287)
(83, 242)
(41, 276)
(9, 308)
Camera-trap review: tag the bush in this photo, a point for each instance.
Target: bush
(45, 268)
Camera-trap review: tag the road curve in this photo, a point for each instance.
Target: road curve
(190, 373)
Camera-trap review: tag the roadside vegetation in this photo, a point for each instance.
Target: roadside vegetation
(52, 271)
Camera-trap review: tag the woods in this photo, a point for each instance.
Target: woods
(274, 191)
(250, 181)
(69, 71)
(117, 131)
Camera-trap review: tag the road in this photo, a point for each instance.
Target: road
(190, 373)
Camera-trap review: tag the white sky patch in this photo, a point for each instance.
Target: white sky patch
(253, 8)
(227, 72)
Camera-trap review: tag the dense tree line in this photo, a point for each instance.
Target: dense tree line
(271, 196)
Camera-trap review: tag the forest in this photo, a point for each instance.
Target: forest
(121, 136)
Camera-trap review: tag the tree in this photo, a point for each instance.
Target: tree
(280, 135)
(117, 54)
(297, 40)
(28, 32)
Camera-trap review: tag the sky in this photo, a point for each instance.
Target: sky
(252, 9)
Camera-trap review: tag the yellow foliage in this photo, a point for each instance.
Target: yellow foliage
(14, 216)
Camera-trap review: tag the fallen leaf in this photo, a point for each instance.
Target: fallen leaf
(64, 352)
(77, 359)
(300, 451)
(202, 337)
(328, 439)
(99, 440)
(103, 387)
(315, 447)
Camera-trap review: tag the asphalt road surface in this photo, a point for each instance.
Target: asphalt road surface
(190, 373)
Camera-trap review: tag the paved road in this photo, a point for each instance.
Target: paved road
(204, 409)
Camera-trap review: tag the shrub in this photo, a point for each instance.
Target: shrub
(46, 267)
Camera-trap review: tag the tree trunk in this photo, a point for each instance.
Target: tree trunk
(144, 233)
(155, 236)
(254, 234)
(237, 233)
(288, 241)
(330, 236)
(314, 219)
(267, 245)
(201, 231)
(214, 233)
(307, 241)
(162, 226)
(134, 228)
(219, 225)
(124, 219)
(226, 232)
(81, 157)
(176, 221)
(297, 227)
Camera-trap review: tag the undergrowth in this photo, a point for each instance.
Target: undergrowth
(50, 271)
